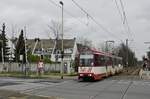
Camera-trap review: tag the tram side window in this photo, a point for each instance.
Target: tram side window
(86, 62)
(110, 61)
(102, 60)
(96, 61)
(99, 60)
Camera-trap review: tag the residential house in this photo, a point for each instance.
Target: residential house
(51, 48)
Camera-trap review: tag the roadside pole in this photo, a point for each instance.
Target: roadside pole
(2, 52)
(127, 52)
(62, 47)
(26, 60)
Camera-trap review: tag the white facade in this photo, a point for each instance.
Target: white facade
(69, 57)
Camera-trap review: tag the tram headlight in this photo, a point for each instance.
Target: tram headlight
(92, 64)
(81, 74)
(89, 74)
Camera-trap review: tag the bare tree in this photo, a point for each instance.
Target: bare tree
(101, 47)
(85, 42)
(109, 47)
(55, 29)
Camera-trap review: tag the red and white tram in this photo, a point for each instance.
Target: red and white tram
(95, 65)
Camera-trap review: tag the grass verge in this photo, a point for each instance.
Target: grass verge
(35, 75)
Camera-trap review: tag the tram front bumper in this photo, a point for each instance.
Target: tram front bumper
(85, 75)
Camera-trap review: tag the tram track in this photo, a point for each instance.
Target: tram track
(124, 93)
(43, 87)
(117, 89)
(81, 86)
(109, 86)
(104, 89)
(75, 85)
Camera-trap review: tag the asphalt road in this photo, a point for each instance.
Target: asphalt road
(109, 88)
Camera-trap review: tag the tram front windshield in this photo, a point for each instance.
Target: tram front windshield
(86, 62)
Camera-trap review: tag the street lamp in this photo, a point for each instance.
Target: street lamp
(62, 48)
(2, 50)
(25, 44)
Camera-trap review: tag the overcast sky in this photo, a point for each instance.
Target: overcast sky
(37, 14)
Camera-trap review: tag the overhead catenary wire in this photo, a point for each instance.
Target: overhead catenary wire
(125, 20)
(90, 17)
(54, 3)
(119, 11)
(95, 21)
(68, 13)
(124, 14)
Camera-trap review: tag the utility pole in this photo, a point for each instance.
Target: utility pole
(127, 54)
(106, 46)
(3, 45)
(62, 47)
(2, 52)
(42, 50)
(26, 60)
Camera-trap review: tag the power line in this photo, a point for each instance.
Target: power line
(54, 3)
(80, 7)
(124, 14)
(125, 21)
(121, 16)
(89, 16)
(94, 20)
(119, 11)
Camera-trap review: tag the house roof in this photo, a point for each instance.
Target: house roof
(50, 43)
(68, 43)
